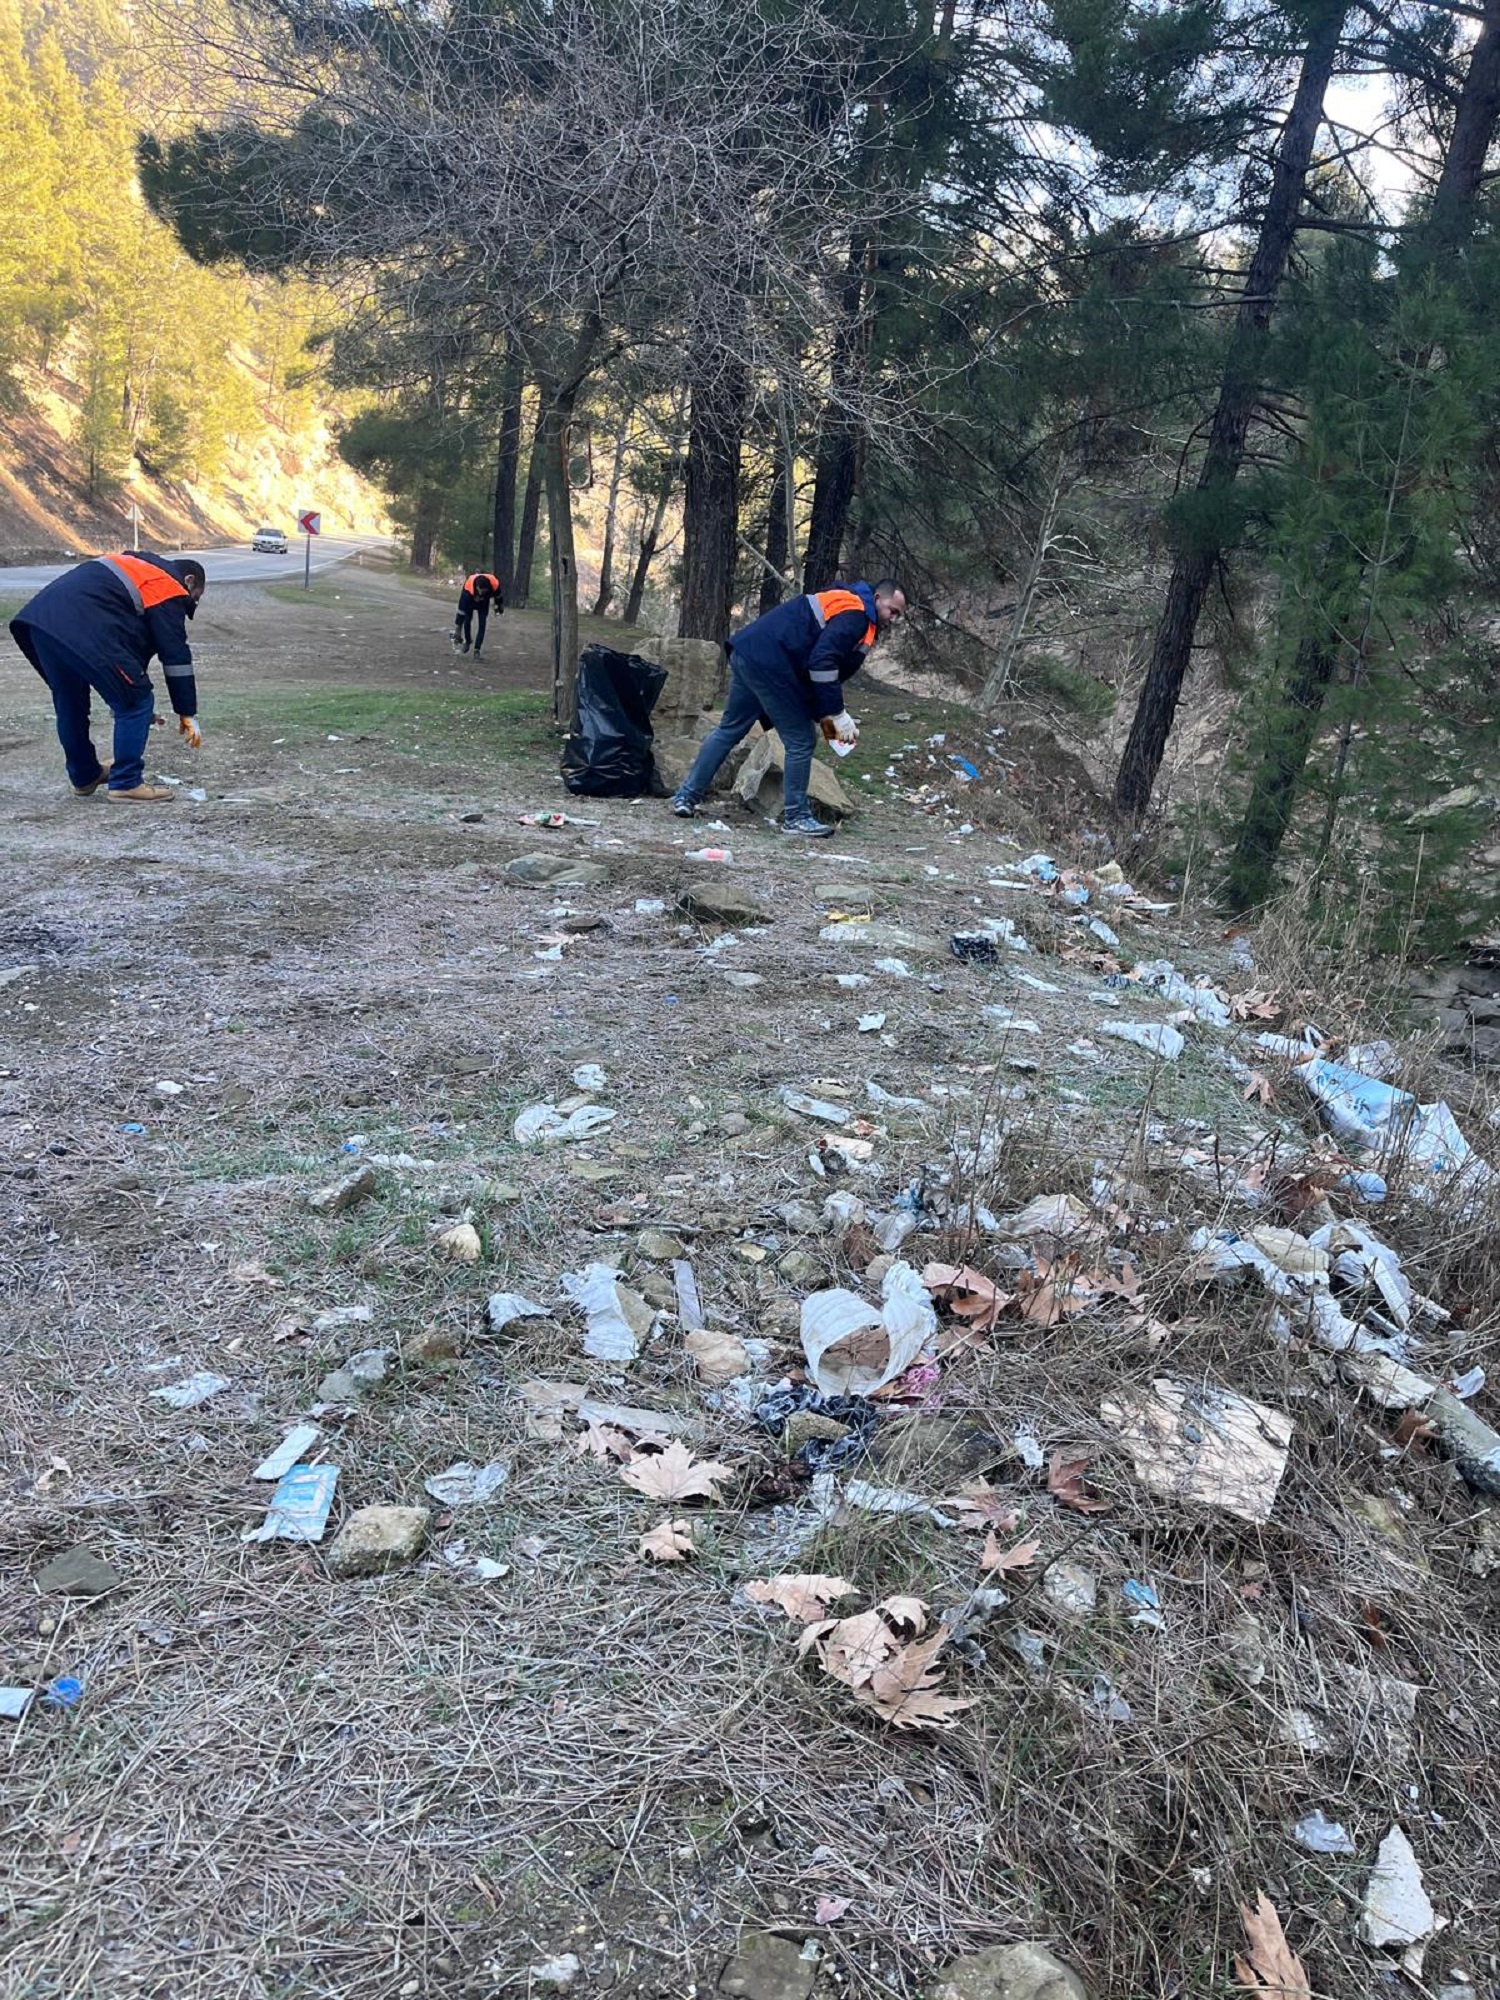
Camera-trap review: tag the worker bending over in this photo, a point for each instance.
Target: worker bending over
(787, 670)
(95, 630)
(480, 591)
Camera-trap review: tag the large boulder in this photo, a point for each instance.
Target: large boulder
(697, 678)
(1008, 1972)
(759, 782)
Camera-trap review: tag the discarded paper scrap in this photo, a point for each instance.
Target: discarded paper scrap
(1204, 1445)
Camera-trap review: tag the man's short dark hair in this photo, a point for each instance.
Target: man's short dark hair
(887, 585)
(193, 574)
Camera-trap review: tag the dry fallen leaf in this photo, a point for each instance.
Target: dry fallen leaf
(604, 1441)
(1270, 1966)
(255, 1274)
(978, 1507)
(850, 1648)
(804, 1599)
(1414, 1429)
(994, 1558)
(674, 1474)
(668, 1542)
(1065, 1484)
(1260, 1087)
(718, 1357)
(831, 1908)
(968, 1294)
(910, 1612)
(904, 1689)
(1254, 1006)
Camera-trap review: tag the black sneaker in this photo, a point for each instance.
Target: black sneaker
(465, 647)
(684, 807)
(807, 826)
(479, 652)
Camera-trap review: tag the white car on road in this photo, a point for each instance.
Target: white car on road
(269, 542)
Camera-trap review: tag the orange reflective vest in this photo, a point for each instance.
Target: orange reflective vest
(828, 604)
(146, 583)
(482, 576)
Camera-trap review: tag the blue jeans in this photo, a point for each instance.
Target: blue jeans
(125, 691)
(753, 694)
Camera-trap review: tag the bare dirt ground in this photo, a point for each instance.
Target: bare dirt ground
(278, 1783)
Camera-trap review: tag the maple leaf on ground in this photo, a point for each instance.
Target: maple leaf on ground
(850, 1648)
(1270, 1965)
(1254, 1006)
(674, 1474)
(1065, 1484)
(1260, 1087)
(968, 1294)
(994, 1558)
(1414, 1429)
(905, 1688)
(804, 1599)
(908, 1611)
(668, 1542)
(604, 1441)
(979, 1507)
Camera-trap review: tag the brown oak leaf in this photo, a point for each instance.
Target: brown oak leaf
(1269, 1964)
(674, 1474)
(979, 1507)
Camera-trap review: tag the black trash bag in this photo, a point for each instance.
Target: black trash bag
(608, 753)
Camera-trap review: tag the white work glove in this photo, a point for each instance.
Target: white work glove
(845, 729)
(187, 725)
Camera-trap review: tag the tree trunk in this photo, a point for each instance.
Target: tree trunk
(1240, 390)
(425, 524)
(530, 507)
(556, 422)
(772, 589)
(611, 516)
(650, 536)
(559, 398)
(1451, 218)
(837, 465)
(1278, 777)
(711, 496)
(506, 469)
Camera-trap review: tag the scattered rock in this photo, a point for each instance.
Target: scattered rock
(360, 1372)
(720, 903)
(658, 1290)
(462, 1243)
(433, 1343)
(890, 939)
(769, 1968)
(1009, 1972)
(554, 871)
(734, 1124)
(345, 1194)
(559, 1971)
(1071, 1590)
(76, 1573)
(659, 1246)
(801, 1218)
(379, 1538)
(759, 782)
(1245, 1651)
(843, 895)
(799, 1268)
(809, 1427)
(741, 981)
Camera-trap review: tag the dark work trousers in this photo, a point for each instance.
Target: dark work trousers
(125, 691)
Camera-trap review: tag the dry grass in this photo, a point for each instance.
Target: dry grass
(278, 1785)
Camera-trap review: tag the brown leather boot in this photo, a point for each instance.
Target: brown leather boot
(88, 791)
(143, 795)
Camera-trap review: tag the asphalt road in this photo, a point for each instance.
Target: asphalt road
(238, 565)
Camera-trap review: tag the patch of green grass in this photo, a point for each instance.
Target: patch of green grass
(502, 724)
(9, 606)
(325, 594)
